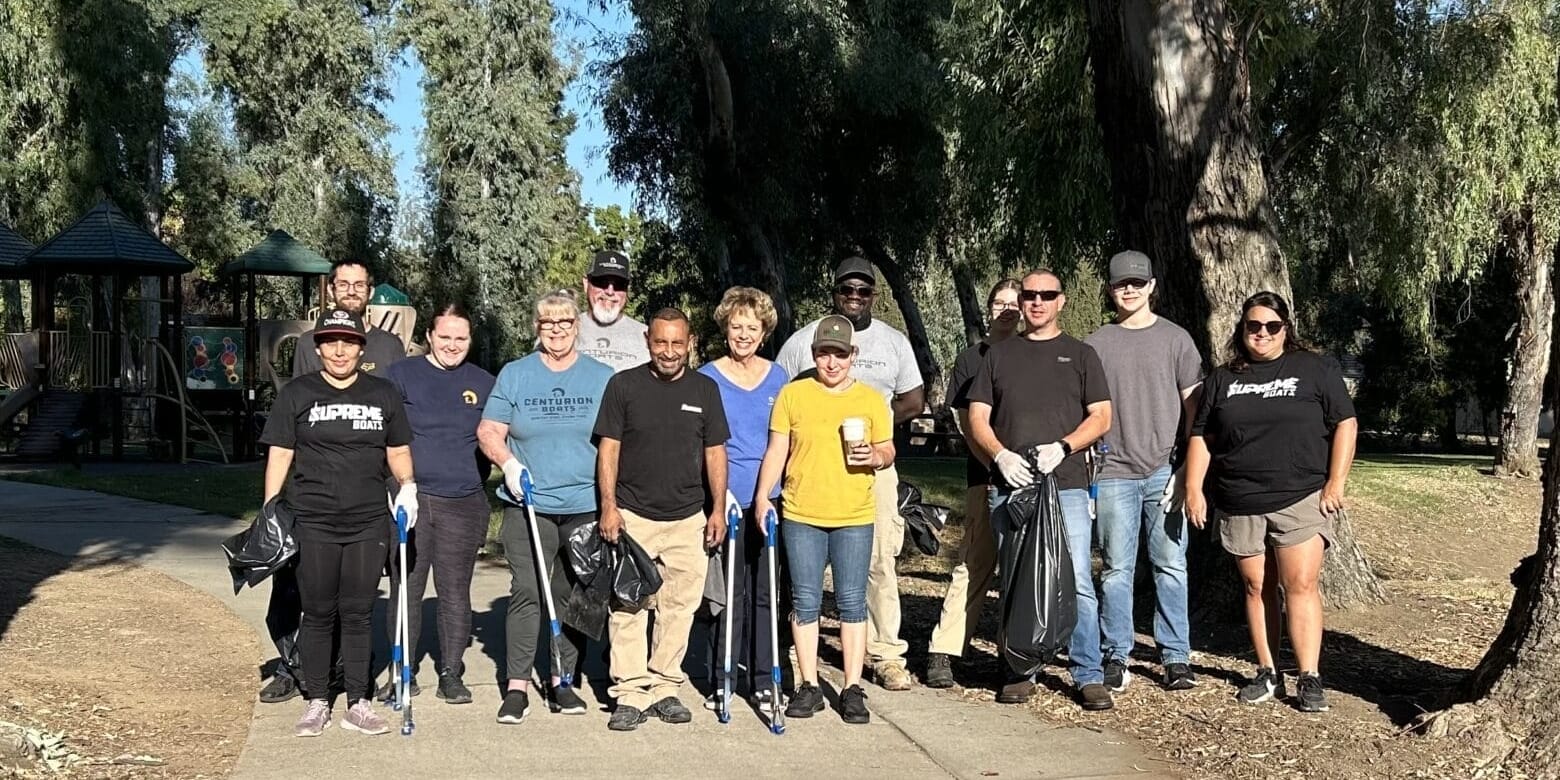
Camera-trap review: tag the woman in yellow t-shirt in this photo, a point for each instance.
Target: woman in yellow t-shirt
(829, 434)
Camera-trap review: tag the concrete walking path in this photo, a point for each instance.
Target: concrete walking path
(914, 734)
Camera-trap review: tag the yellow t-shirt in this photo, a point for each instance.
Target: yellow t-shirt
(819, 488)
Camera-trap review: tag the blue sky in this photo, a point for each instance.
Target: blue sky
(582, 27)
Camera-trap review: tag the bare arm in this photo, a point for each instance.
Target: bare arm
(606, 486)
(981, 434)
(961, 418)
(278, 462)
(1197, 459)
(1339, 459)
(1190, 398)
(493, 438)
(1094, 425)
(908, 404)
(882, 455)
(715, 472)
(769, 471)
(400, 460)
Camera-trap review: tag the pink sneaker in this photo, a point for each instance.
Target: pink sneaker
(361, 717)
(315, 718)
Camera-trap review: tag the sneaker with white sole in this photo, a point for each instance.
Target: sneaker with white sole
(361, 717)
(1267, 685)
(764, 700)
(566, 700)
(316, 716)
(1117, 676)
(517, 705)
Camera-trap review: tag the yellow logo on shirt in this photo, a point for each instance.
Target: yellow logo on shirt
(469, 396)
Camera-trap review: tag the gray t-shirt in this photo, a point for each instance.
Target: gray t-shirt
(884, 359)
(620, 345)
(382, 349)
(1147, 369)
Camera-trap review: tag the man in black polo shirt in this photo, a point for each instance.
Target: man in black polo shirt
(1045, 393)
(661, 433)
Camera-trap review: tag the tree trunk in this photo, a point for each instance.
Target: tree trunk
(915, 327)
(1173, 102)
(972, 308)
(1531, 264)
(1172, 97)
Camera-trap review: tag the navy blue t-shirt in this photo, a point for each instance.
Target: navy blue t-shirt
(444, 408)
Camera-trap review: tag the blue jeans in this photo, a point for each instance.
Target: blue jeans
(848, 550)
(1083, 652)
(1127, 509)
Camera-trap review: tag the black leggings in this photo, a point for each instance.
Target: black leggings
(448, 535)
(338, 583)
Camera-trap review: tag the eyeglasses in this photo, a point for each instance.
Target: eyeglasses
(1029, 296)
(1253, 327)
(999, 306)
(1124, 284)
(565, 324)
(609, 283)
(854, 291)
(351, 286)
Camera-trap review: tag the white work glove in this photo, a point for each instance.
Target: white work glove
(1175, 493)
(1014, 469)
(406, 498)
(1049, 456)
(512, 469)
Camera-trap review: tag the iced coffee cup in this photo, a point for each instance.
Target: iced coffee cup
(854, 430)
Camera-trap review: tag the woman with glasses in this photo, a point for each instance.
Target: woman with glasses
(541, 414)
(1276, 430)
(966, 592)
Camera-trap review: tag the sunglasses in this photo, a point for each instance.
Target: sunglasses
(854, 291)
(1029, 296)
(1253, 327)
(1135, 284)
(609, 283)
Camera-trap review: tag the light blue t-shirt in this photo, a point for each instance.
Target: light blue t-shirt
(550, 415)
(747, 415)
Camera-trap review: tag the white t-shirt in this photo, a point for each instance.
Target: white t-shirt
(620, 345)
(884, 358)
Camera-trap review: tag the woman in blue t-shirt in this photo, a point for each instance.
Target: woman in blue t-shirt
(540, 414)
(748, 387)
(1275, 430)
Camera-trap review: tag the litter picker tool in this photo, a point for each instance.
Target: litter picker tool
(565, 676)
(733, 526)
(400, 655)
(1094, 459)
(777, 711)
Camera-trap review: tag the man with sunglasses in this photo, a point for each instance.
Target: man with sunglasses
(886, 363)
(1154, 373)
(350, 285)
(1038, 402)
(606, 333)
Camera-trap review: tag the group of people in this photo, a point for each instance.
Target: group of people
(605, 426)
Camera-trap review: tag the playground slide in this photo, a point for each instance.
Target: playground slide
(18, 400)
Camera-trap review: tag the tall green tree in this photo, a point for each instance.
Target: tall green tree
(503, 198)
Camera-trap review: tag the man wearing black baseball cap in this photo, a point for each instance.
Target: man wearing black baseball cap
(606, 333)
(886, 363)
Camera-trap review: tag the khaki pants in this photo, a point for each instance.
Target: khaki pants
(888, 535)
(642, 676)
(966, 593)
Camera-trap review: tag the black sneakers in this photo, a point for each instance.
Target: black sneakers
(626, 718)
(452, 690)
(1264, 687)
(1309, 694)
(939, 670)
(853, 705)
(281, 688)
(516, 706)
(1179, 677)
(567, 701)
(671, 710)
(1117, 678)
(807, 702)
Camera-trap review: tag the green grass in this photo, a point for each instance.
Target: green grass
(1418, 486)
(229, 492)
(941, 481)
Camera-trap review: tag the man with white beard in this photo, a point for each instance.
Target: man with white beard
(606, 334)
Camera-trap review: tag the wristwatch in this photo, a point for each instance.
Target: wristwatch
(1066, 448)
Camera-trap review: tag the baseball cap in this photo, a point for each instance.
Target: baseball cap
(610, 262)
(340, 322)
(854, 266)
(1130, 264)
(834, 331)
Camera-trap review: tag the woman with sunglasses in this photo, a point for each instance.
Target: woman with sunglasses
(1276, 430)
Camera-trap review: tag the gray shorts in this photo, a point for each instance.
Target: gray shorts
(1247, 535)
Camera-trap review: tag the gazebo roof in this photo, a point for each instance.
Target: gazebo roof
(12, 249)
(279, 254)
(105, 241)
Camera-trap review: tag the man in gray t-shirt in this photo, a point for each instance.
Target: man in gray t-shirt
(886, 363)
(605, 332)
(1154, 373)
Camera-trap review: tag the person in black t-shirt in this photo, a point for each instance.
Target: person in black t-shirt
(331, 436)
(1276, 431)
(1045, 393)
(661, 433)
(966, 592)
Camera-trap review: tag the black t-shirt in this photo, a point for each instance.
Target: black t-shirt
(1269, 429)
(664, 428)
(965, 366)
(338, 439)
(1039, 391)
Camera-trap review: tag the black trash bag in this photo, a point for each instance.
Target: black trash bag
(589, 601)
(630, 570)
(259, 550)
(923, 522)
(1039, 600)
